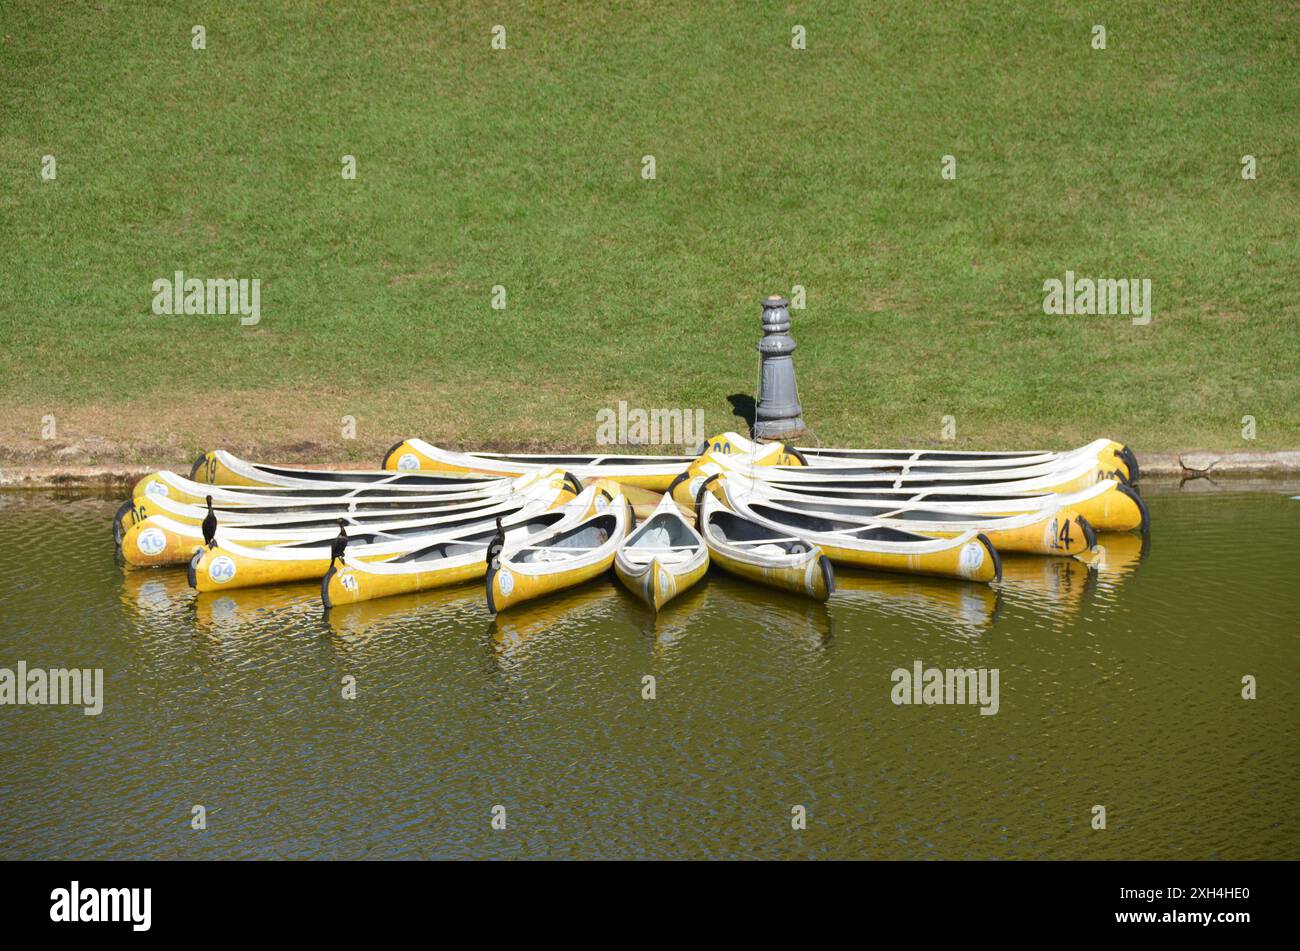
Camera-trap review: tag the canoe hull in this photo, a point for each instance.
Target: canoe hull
(662, 557)
(216, 569)
(512, 580)
(657, 584)
(812, 577)
(1120, 509)
(343, 585)
(508, 586)
(154, 543)
(976, 560)
(1060, 531)
(1063, 533)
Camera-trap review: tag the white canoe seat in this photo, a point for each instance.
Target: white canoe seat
(655, 536)
(548, 554)
(671, 555)
(754, 542)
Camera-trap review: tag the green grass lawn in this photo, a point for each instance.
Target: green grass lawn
(522, 167)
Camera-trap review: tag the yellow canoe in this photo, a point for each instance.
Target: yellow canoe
(663, 557)
(219, 467)
(756, 553)
(1108, 506)
(561, 560)
(1080, 475)
(968, 556)
(168, 484)
(230, 564)
(1057, 531)
(912, 462)
(646, 472)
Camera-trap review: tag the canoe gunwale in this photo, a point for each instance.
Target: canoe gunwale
(471, 462)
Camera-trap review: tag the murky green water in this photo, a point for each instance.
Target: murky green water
(1119, 687)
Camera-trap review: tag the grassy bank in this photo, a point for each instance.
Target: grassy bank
(522, 168)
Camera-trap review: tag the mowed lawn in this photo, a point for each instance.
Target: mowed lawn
(522, 168)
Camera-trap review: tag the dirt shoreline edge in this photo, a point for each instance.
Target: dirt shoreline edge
(1156, 466)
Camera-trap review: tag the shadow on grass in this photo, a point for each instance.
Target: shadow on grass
(742, 405)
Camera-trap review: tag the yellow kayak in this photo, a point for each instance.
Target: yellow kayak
(663, 557)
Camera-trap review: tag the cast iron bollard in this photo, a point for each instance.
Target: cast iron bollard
(778, 414)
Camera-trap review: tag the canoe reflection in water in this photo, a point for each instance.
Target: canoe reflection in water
(154, 592)
(525, 627)
(730, 606)
(255, 611)
(966, 608)
(368, 619)
(1059, 587)
(1119, 554)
